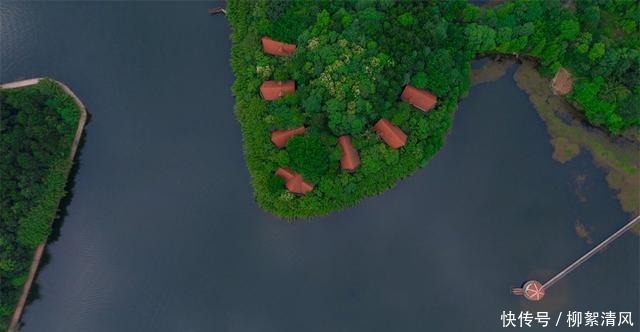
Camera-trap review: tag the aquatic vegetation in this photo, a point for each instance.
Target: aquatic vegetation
(619, 158)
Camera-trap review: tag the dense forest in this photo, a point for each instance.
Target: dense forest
(597, 40)
(37, 128)
(354, 57)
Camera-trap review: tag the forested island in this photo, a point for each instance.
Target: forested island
(41, 123)
(352, 60)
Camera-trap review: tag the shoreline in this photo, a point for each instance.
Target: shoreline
(568, 132)
(37, 256)
(569, 135)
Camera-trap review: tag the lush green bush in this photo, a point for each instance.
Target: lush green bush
(354, 57)
(352, 61)
(308, 155)
(38, 124)
(598, 41)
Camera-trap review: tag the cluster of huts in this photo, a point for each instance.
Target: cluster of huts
(391, 134)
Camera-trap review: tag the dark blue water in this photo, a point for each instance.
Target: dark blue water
(163, 234)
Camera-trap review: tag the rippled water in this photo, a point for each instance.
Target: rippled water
(163, 233)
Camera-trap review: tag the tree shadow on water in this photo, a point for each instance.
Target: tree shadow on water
(58, 221)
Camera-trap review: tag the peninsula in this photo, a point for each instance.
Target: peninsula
(378, 82)
(42, 122)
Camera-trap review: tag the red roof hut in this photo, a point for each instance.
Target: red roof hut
(562, 83)
(350, 159)
(281, 137)
(390, 134)
(273, 47)
(421, 99)
(294, 181)
(272, 90)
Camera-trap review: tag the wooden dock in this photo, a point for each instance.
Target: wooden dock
(217, 10)
(534, 291)
(591, 252)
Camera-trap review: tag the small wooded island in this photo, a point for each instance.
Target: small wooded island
(339, 100)
(41, 125)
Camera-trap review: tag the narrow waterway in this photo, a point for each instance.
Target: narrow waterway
(163, 234)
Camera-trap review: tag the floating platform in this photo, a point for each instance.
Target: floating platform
(533, 290)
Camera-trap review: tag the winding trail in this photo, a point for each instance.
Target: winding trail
(37, 256)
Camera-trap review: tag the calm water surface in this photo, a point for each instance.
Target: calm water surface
(163, 233)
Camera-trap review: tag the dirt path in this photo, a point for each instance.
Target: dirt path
(37, 256)
(20, 84)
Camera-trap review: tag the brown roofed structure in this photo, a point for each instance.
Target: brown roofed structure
(562, 83)
(272, 90)
(350, 159)
(281, 137)
(421, 99)
(294, 181)
(390, 134)
(285, 173)
(273, 47)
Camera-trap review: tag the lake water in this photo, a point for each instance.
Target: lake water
(163, 233)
